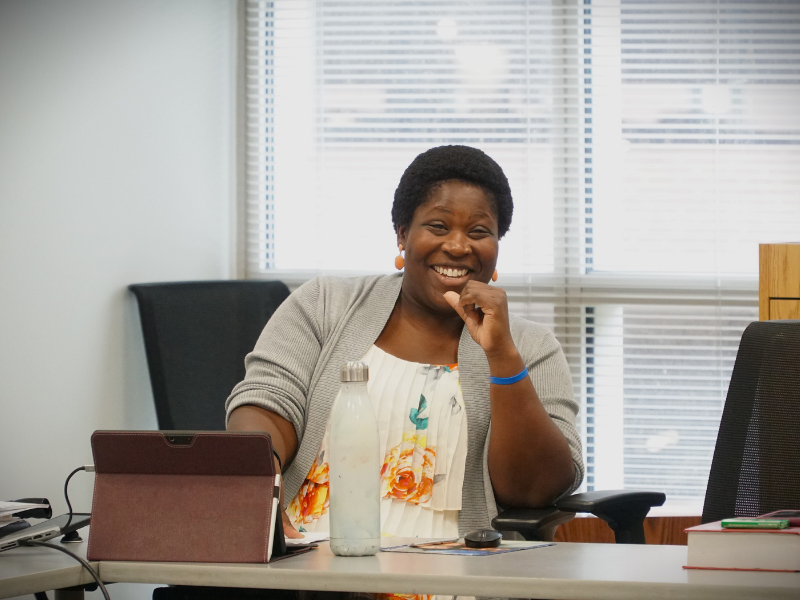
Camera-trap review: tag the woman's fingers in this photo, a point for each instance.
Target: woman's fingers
(488, 299)
(465, 311)
(483, 294)
(476, 295)
(288, 529)
(453, 300)
(484, 310)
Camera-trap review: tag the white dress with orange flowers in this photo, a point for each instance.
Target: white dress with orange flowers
(423, 441)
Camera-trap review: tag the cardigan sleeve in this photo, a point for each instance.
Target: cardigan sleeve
(549, 372)
(552, 381)
(280, 367)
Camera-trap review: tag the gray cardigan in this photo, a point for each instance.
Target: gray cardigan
(294, 372)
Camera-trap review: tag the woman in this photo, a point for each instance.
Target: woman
(446, 361)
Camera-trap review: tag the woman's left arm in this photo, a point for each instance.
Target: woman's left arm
(530, 461)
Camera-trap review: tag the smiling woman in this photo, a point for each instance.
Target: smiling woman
(452, 239)
(447, 364)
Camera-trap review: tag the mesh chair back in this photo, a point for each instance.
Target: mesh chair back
(757, 455)
(196, 336)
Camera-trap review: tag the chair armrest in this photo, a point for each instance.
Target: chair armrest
(623, 510)
(610, 500)
(532, 523)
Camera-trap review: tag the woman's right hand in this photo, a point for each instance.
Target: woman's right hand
(288, 529)
(284, 440)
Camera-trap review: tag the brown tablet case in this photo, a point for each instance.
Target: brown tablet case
(183, 497)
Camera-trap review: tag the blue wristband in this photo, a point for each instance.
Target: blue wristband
(509, 380)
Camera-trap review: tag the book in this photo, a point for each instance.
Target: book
(9, 508)
(755, 523)
(713, 547)
(793, 516)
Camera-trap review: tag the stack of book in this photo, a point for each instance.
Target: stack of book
(758, 544)
(9, 522)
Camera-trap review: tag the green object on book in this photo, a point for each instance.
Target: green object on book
(755, 523)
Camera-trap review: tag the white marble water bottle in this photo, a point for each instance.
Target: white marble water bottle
(354, 464)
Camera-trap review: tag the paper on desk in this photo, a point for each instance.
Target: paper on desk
(309, 537)
(5, 521)
(460, 548)
(9, 508)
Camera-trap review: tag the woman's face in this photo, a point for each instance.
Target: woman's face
(451, 240)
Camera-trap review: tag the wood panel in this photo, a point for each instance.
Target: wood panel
(657, 530)
(779, 277)
(784, 309)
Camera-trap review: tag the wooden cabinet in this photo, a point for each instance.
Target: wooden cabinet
(779, 281)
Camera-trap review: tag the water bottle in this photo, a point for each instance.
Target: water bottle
(354, 464)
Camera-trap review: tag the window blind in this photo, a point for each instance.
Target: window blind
(650, 146)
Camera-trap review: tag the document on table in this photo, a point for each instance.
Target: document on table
(309, 537)
(9, 508)
(460, 548)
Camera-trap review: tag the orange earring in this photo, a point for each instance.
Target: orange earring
(494, 275)
(399, 263)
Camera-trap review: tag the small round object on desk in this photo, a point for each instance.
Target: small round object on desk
(483, 538)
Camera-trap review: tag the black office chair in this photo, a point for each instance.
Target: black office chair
(196, 335)
(757, 456)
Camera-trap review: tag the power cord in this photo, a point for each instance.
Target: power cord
(85, 564)
(70, 537)
(88, 469)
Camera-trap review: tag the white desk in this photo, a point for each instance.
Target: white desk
(570, 571)
(29, 570)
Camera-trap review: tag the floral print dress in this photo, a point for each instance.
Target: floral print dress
(423, 441)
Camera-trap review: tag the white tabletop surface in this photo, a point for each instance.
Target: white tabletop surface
(28, 570)
(570, 571)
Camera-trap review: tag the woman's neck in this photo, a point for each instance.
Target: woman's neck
(417, 334)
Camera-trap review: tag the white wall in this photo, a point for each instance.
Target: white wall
(116, 166)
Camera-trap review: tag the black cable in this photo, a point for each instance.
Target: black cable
(85, 564)
(66, 495)
(278, 458)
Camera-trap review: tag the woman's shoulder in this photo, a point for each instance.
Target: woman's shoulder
(348, 285)
(335, 295)
(333, 287)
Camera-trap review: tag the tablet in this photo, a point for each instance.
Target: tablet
(45, 530)
(185, 496)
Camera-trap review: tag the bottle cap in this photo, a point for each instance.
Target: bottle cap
(355, 371)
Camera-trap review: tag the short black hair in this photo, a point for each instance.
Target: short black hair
(444, 163)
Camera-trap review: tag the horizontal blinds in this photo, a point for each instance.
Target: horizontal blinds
(260, 140)
(693, 134)
(650, 146)
(358, 89)
(690, 148)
